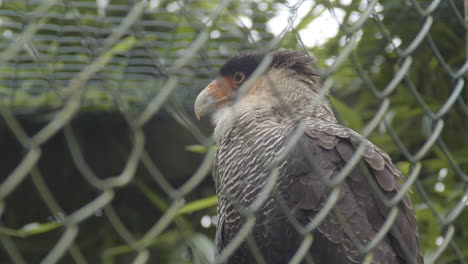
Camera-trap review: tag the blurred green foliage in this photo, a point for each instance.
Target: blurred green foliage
(373, 64)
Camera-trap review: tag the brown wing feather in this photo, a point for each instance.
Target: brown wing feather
(323, 152)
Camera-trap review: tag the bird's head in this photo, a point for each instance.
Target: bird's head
(289, 85)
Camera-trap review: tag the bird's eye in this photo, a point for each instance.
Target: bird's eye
(239, 77)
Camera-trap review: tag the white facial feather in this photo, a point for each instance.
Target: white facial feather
(222, 120)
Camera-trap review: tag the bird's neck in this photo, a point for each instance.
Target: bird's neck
(262, 115)
(280, 97)
(297, 96)
(245, 118)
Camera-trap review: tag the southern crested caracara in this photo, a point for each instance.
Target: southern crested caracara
(254, 124)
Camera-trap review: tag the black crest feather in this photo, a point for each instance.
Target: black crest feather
(291, 59)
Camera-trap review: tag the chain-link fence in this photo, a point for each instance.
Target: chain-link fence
(102, 162)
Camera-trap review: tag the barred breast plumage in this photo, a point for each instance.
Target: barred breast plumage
(245, 159)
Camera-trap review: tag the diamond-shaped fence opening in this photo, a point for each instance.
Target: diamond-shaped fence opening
(102, 160)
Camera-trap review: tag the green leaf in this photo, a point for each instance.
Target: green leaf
(190, 207)
(199, 205)
(199, 148)
(204, 247)
(30, 229)
(122, 46)
(404, 167)
(349, 115)
(153, 197)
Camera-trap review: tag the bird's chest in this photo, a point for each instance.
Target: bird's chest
(245, 161)
(248, 164)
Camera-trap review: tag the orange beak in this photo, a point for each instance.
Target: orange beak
(213, 97)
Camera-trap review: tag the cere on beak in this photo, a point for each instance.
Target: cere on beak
(216, 95)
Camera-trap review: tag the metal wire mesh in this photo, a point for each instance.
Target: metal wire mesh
(96, 100)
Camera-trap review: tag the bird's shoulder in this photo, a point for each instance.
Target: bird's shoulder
(344, 142)
(325, 149)
(321, 158)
